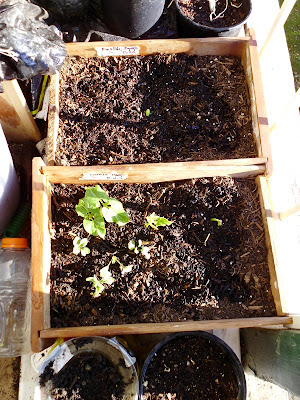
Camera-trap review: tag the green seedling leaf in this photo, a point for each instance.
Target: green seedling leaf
(97, 206)
(218, 221)
(80, 246)
(113, 211)
(97, 284)
(131, 245)
(95, 196)
(94, 224)
(124, 268)
(155, 221)
(148, 112)
(144, 250)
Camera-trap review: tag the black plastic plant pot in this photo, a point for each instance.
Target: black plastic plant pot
(131, 18)
(190, 367)
(189, 28)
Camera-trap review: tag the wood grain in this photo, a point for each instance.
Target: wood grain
(261, 110)
(156, 172)
(269, 225)
(204, 46)
(111, 330)
(15, 117)
(40, 252)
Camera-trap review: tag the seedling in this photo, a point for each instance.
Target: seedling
(218, 221)
(97, 206)
(212, 7)
(80, 246)
(148, 112)
(98, 284)
(124, 268)
(154, 221)
(139, 248)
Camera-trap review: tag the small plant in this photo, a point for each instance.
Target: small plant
(124, 268)
(218, 221)
(148, 112)
(212, 7)
(139, 248)
(97, 206)
(154, 221)
(98, 284)
(80, 246)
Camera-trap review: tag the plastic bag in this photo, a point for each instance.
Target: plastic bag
(28, 46)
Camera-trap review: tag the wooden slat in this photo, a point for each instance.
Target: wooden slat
(150, 173)
(205, 46)
(17, 122)
(291, 211)
(41, 253)
(53, 119)
(279, 22)
(110, 330)
(269, 224)
(260, 102)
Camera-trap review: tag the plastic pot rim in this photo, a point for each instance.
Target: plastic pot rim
(236, 364)
(210, 28)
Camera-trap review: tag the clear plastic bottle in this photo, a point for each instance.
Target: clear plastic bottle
(15, 286)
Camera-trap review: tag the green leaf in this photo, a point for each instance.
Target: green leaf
(77, 241)
(84, 251)
(161, 221)
(146, 252)
(114, 259)
(148, 112)
(81, 209)
(113, 211)
(154, 221)
(218, 221)
(96, 226)
(131, 245)
(83, 242)
(94, 195)
(97, 284)
(105, 273)
(76, 250)
(126, 269)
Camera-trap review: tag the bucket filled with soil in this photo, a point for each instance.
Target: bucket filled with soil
(196, 365)
(201, 18)
(93, 368)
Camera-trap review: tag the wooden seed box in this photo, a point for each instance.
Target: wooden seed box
(44, 176)
(243, 47)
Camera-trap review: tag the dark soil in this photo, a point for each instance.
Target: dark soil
(190, 368)
(87, 376)
(197, 270)
(199, 110)
(199, 12)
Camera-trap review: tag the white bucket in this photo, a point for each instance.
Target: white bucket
(108, 348)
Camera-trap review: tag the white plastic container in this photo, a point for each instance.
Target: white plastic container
(9, 185)
(14, 297)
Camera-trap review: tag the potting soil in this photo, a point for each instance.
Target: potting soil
(210, 263)
(87, 376)
(157, 108)
(193, 368)
(229, 13)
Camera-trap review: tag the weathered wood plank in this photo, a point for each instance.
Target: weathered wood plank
(15, 117)
(156, 172)
(41, 252)
(188, 326)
